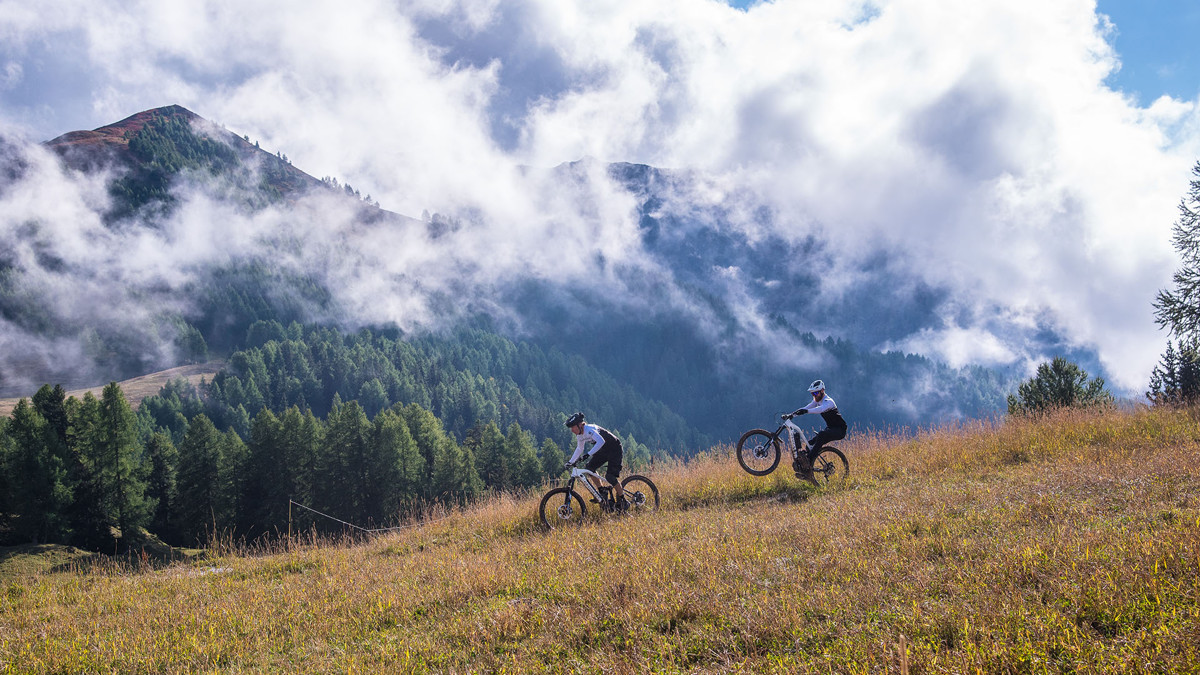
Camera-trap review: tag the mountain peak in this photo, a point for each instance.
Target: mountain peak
(119, 133)
(151, 147)
(150, 152)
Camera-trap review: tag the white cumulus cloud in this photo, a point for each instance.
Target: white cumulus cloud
(977, 141)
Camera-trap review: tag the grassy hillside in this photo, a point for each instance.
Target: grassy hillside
(137, 388)
(1070, 544)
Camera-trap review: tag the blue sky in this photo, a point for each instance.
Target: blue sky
(1158, 42)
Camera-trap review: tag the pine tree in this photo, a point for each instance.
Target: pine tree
(552, 459)
(636, 454)
(518, 446)
(373, 397)
(1179, 309)
(492, 461)
(303, 437)
(452, 474)
(122, 464)
(453, 479)
(90, 516)
(38, 477)
(1058, 384)
(161, 486)
(470, 485)
(1176, 379)
(262, 502)
(344, 441)
(199, 480)
(395, 470)
(409, 471)
(427, 433)
(232, 457)
(6, 479)
(51, 404)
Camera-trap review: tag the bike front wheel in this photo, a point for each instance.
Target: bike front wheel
(830, 468)
(641, 494)
(758, 452)
(561, 506)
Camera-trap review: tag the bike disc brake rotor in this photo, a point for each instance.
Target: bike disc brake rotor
(636, 498)
(760, 451)
(825, 470)
(565, 512)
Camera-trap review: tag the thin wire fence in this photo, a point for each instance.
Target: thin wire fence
(360, 528)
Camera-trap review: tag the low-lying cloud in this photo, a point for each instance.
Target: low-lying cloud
(976, 144)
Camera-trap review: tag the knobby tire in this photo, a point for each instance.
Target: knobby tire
(641, 493)
(758, 452)
(556, 509)
(829, 468)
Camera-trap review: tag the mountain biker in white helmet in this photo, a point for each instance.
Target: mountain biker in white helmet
(607, 448)
(835, 427)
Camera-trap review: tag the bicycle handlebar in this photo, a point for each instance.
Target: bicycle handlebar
(571, 465)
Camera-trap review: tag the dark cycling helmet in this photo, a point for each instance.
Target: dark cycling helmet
(577, 418)
(816, 386)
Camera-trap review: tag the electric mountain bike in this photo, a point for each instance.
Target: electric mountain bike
(564, 506)
(758, 451)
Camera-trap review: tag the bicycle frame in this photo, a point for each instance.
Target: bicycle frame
(789, 442)
(578, 472)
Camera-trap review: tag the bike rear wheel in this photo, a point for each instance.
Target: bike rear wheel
(830, 468)
(641, 494)
(758, 452)
(560, 507)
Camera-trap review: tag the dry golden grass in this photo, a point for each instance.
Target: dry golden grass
(137, 388)
(1066, 544)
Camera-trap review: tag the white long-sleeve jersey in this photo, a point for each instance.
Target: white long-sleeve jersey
(591, 433)
(827, 409)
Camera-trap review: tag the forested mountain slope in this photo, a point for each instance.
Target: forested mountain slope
(724, 328)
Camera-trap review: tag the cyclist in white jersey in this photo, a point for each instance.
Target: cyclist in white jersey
(606, 448)
(835, 426)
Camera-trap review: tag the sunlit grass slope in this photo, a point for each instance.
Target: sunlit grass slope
(1067, 544)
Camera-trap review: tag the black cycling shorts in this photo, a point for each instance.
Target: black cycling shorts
(612, 453)
(824, 436)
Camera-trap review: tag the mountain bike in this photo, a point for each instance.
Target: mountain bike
(758, 451)
(564, 506)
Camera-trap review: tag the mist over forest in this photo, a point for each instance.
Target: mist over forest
(164, 237)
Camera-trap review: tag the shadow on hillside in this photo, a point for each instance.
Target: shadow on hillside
(23, 559)
(788, 494)
(39, 558)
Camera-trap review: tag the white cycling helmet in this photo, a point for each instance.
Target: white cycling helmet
(816, 386)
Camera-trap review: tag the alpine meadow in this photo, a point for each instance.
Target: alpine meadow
(1070, 543)
(464, 336)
